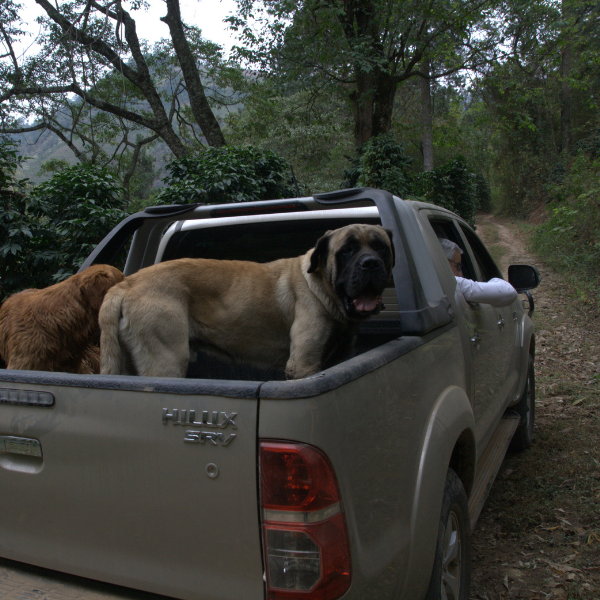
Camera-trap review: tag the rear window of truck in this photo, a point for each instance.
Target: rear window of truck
(258, 242)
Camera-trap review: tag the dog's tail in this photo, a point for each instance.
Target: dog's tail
(109, 317)
(2, 342)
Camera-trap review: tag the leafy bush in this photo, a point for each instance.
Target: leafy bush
(45, 236)
(76, 208)
(10, 160)
(452, 186)
(591, 144)
(570, 238)
(15, 228)
(483, 194)
(381, 163)
(228, 174)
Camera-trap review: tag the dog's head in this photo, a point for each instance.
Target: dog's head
(357, 262)
(95, 281)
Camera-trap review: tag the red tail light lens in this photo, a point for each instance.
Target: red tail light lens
(296, 477)
(305, 537)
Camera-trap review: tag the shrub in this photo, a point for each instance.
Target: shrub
(75, 210)
(452, 186)
(381, 163)
(10, 160)
(46, 235)
(228, 174)
(15, 228)
(570, 238)
(483, 194)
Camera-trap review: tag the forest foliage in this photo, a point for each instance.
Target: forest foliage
(477, 104)
(48, 231)
(228, 174)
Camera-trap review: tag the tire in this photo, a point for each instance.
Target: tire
(526, 409)
(451, 576)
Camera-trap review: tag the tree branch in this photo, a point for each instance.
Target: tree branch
(141, 78)
(198, 101)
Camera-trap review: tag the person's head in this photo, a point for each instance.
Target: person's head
(452, 252)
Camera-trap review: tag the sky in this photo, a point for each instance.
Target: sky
(206, 14)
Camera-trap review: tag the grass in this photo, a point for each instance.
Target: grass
(571, 247)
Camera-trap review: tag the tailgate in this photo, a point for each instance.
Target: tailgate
(141, 482)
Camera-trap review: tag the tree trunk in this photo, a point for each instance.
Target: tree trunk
(565, 100)
(426, 120)
(362, 101)
(383, 109)
(198, 101)
(373, 103)
(373, 96)
(565, 72)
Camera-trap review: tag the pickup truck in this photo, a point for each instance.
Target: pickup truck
(362, 481)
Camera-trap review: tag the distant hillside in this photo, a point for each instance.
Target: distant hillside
(41, 147)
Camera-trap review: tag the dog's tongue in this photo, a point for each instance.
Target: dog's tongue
(366, 302)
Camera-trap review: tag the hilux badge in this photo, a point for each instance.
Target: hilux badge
(209, 420)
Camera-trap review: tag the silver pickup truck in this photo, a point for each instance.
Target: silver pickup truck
(362, 481)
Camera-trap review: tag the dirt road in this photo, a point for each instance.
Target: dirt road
(538, 536)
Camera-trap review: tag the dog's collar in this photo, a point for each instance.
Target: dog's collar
(328, 301)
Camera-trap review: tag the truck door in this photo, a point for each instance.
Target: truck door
(495, 338)
(505, 317)
(146, 483)
(479, 331)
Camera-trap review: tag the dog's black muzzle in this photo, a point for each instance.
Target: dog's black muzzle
(362, 284)
(369, 273)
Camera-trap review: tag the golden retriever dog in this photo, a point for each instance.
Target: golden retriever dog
(300, 313)
(56, 328)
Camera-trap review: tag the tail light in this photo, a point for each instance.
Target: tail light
(304, 531)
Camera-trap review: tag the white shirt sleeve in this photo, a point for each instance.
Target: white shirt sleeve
(496, 292)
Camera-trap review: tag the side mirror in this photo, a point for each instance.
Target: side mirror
(523, 277)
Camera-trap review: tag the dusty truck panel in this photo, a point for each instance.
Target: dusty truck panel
(381, 439)
(119, 495)
(159, 484)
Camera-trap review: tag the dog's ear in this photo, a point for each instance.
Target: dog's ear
(94, 287)
(390, 234)
(321, 250)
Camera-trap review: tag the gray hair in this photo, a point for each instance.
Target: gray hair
(449, 248)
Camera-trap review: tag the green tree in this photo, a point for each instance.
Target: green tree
(309, 128)
(228, 174)
(541, 96)
(452, 186)
(381, 163)
(92, 50)
(367, 47)
(75, 210)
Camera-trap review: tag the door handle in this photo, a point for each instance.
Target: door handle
(476, 338)
(500, 321)
(18, 445)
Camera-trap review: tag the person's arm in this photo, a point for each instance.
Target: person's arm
(496, 292)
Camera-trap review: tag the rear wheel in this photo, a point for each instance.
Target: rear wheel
(451, 576)
(526, 409)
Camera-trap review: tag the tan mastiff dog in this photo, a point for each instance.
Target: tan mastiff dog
(300, 313)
